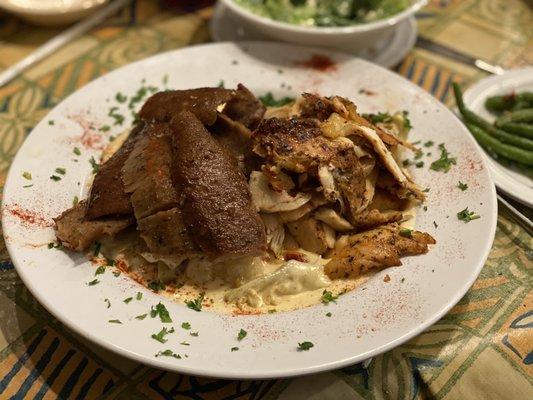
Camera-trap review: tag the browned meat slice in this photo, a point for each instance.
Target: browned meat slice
(76, 233)
(147, 176)
(235, 137)
(165, 233)
(313, 106)
(245, 108)
(217, 206)
(295, 144)
(107, 195)
(202, 102)
(378, 248)
(372, 218)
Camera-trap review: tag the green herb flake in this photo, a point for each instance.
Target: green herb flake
(93, 282)
(54, 245)
(234, 349)
(419, 154)
(115, 321)
(195, 334)
(51, 122)
(328, 314)
(327, 297)
(268, 100)
(121, 98)
(167, 353)
(241, 335)
(462, 186)
(26, 175)
(162, 311)
(406, 162)
(185, 344)
(61, 171)
(402, 280)
(95, 166)
(272, 311)
(435, 224)
(445, 162)
(156, 286)
(406, 121)
(75, 200)
(139, 296)
(408, 233)
(304, 346)
(99, 271)
(221, 84)
(127, 300)
(109, 262)
(165, 79)
(426, 190)
(141, 317)
(378, 118)
(108, 303)
(429, 143)
(195, 304)
(160, 336)
(55, 178)
(186, 325)
(467, 216)
(425, 208)
(104, 128)
(77, 151)
(116, 274)
(419, 164)
(118, 118)
(27, 186)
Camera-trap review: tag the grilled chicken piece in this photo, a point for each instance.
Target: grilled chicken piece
(245, 108)
(372, 218)
(166, 234)
(312, 235)
(378, 248)
(202, 102)
(147, 175)
(107, 196)
(76, 233)
(313, 106)
(216, 203)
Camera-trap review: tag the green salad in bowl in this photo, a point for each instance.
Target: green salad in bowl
(328, 13)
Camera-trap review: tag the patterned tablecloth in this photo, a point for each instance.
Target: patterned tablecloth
(483, 348)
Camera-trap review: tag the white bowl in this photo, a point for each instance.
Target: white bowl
(51, 12)
(352, 38)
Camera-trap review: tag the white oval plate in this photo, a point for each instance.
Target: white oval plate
(515, 184)
(367, 321)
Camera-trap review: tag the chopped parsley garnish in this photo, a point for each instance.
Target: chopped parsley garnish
(241, 335)
(162, 311)
(304, 346)
(419, 154)
(26, 175)
(445, 162)
(121, 98)
(406, 162)
(195, 304)
(462, 186)
(429, 143)
(185, 344)
(402, 280)
(104, 128)
(156, 286)
(466, 215)
(379, 117)
(93, 282)
(51, 122)
(196, 334)
(406, 121)
(77, 151)
(234, 349)
(327, 297)
(168, 353)
(75, 200)
(127, 300)
(408, 233)
(108, 303)
(95, 166)
(139, 296)
(115, 321)
(116, 274)
(110, 262)
(425, 208)
(119, 118)
(272, 311)
(426, 190)
(140, 95)
(221, 84)
(27, 186)
(160, 336)
(268, 100)
(54, 245)
(328, 314)
(100, 270)
(55, 178)
(97, 247)
(61, 171)
(165, 79)
(186, 325)
(141, 317)
(419, 164)
(435, 224)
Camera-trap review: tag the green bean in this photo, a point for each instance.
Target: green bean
(469, 116)
(525, 130)
(493, 145)
(506, 102)
(525, 115)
